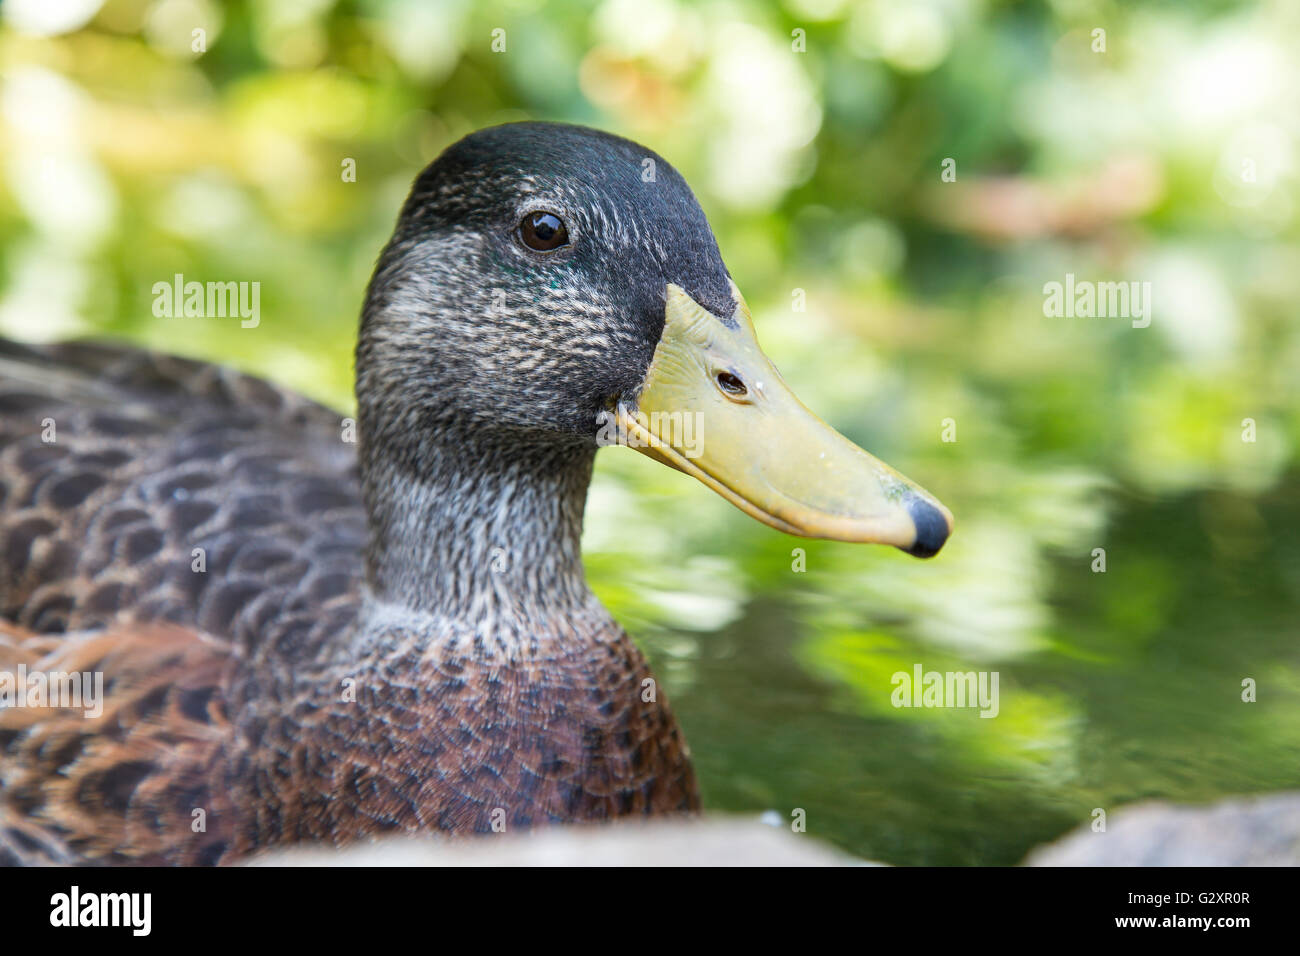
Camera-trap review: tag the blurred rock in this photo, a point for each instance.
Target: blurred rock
(714, 841)
(1244, 831)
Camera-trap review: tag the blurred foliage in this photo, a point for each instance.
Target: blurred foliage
(1169, 158)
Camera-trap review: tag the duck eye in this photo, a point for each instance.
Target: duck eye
(731, 384)
(543, 231)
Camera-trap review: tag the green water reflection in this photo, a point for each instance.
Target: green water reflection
(1137, 695)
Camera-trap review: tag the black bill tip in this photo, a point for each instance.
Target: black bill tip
(932, 528)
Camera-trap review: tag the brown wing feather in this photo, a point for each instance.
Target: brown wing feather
(119, 468)
(125, 785)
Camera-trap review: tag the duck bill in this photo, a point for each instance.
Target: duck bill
(714, 407)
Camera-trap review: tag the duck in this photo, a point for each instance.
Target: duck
(314, 629)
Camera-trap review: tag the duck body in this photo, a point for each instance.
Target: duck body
(303, 637)
(266, 690)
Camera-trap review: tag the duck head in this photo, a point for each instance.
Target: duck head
(554, 287)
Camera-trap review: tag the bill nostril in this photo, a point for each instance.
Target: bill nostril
(731, 384)
(931, 528)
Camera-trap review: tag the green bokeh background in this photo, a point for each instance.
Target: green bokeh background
(1169, 157)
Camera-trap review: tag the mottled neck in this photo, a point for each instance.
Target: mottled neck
(476, 527)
